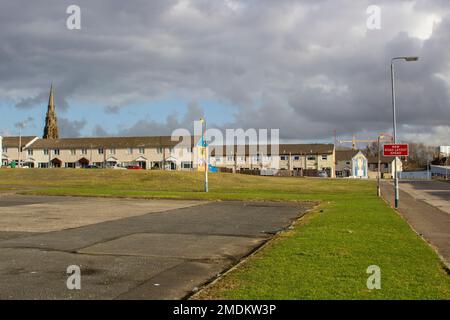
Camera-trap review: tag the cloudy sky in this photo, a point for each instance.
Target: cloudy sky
(148, 67)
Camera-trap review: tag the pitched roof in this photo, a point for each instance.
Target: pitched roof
(111, 142)
(345, 155)
(283, 149)
(11, 142)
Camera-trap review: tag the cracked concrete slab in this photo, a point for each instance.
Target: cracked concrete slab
(40, 274)
(185, 246)
(21, 214)
(153, 255)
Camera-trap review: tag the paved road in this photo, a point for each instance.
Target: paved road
(162, 252)
(426, 206)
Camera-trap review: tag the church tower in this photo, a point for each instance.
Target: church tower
(51, 126)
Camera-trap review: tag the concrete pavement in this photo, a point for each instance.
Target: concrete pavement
(160, 251)
(426, 207)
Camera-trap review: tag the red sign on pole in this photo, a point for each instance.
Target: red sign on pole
(396, 150)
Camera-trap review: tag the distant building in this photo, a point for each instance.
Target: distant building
(10, 149)
(148, 152)
(444, 151)
(387, 165)
(160, 152)
(351, 164)
(303, 159)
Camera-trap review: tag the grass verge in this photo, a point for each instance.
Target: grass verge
(324, 257)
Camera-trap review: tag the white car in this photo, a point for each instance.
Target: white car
(118, 167)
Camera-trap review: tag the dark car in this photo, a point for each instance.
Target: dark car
(134, 167)
(91, 166)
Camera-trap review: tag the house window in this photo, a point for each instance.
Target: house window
(186, 165)
(242, 158)
(159, 150)
(230, 158)
(30, 152)
(296, 158)
(171, 149)
(83, 151)
(98, 164)
(5, 149)
(141, 150)
(69, 165)
(130, 150)
(347, 163)
(311, 158)
(188, 149)
(218, 159)
(43, 164)
(73, 152)
(324, 157)
(100, 151)
(112, 151)
(56, 152)
(283, 158)
(46, 152)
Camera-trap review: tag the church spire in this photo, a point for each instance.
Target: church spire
(51, 103)
(51, 126)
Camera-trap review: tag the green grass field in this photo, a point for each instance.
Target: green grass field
(324, 257)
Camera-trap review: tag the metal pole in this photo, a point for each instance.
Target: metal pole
(379, 169)
(446, 167)
(206, 155)
(394, 120)
(20, 144)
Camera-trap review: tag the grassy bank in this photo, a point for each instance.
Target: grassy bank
(325, 256)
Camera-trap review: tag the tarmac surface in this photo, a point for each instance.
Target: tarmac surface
(127, 249)
(426, 207)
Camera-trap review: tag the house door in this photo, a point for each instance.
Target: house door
(56, 163)
(142, 164)
(83, 162)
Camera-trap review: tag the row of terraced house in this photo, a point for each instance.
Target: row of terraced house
(161, 152)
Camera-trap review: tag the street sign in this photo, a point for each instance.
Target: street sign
(396, 150)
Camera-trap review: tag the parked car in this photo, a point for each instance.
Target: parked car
(322, 174)
(117, 167)
(134, 167)
(91, 166)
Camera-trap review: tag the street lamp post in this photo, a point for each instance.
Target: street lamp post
(394, 120)
(20, 144)
(379, 169)
(204, 146)
(20, 126)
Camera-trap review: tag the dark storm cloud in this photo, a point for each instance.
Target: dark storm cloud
(100, 132)
(306, 67)
(150, 127)
(68, 128)
(112, 109)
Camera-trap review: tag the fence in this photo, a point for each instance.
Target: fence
(415, 175)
